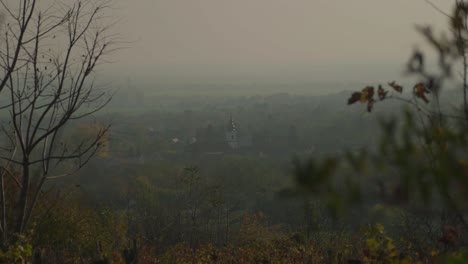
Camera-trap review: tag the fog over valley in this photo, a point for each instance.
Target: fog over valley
(237, 132)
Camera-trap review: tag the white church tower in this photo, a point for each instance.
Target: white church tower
(231, 134)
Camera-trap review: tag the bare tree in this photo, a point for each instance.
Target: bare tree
(48, 57)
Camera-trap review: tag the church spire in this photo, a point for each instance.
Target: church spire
(232, 124)
(231, 134)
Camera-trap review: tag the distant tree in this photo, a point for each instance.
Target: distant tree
(48, 54)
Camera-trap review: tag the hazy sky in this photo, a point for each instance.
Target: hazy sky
(273, 31)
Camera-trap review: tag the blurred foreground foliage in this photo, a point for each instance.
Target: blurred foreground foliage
(413, 166)
(420, 163)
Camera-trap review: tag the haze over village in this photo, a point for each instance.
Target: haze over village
(220, 131)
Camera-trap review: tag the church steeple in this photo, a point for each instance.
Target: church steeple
(232, 124)
(231, 134)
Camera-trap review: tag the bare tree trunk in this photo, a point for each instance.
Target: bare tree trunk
(4, 227)
(23, 198)
(47, 89)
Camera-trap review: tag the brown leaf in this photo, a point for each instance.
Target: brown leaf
(420, 90)
(382, 93)
(370, 93)
(367, 94)
(354, 98)
(396, 87)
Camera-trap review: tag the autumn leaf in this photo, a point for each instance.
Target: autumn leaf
(363, 98)
(396, 87)
(420, 90)
(354, 98)
(381, 93)
(367, 94)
